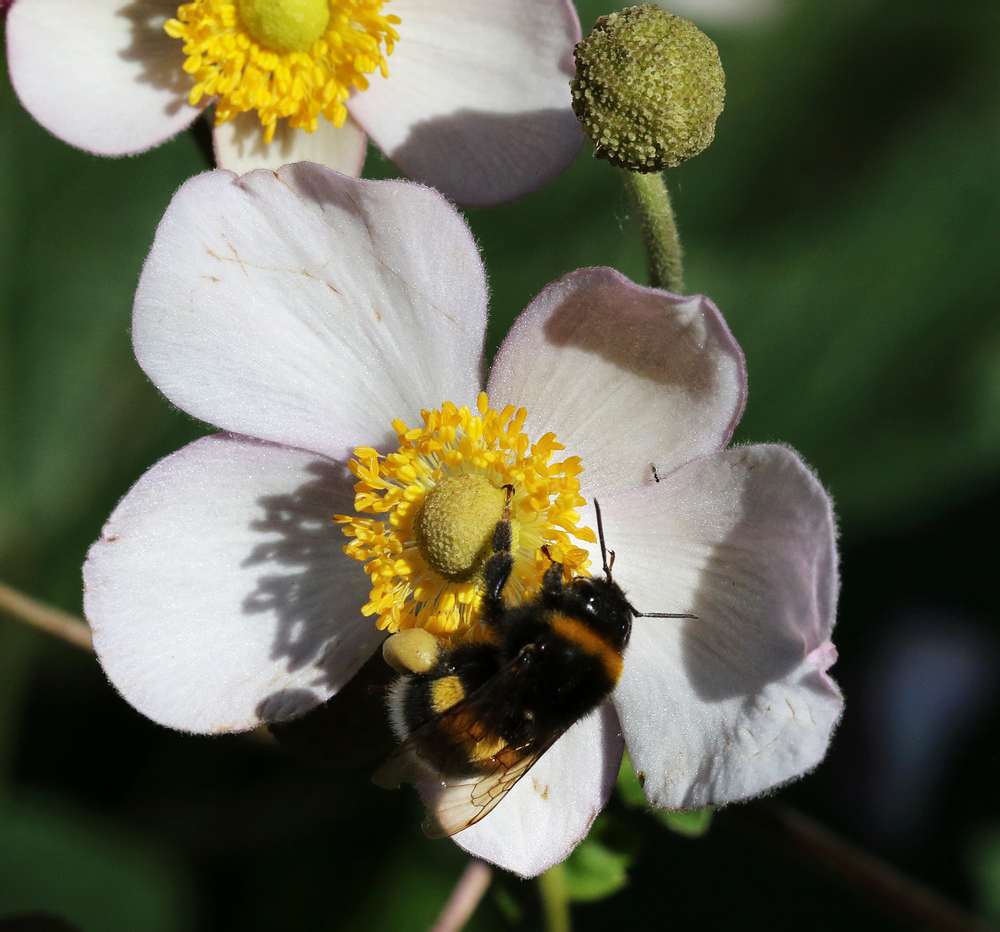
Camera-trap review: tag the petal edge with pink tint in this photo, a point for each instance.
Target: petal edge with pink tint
(101, 75)
(477, 102)
(627, 377)
(210, 592)
(308, 308)
(728, 704)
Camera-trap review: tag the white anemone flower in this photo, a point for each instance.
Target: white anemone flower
(313, 318)
(470, 96)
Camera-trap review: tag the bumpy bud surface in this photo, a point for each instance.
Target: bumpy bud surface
(649, 87)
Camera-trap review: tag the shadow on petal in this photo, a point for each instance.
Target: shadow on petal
(286, 704)
(160, 56)
(607, 316)
(349, 730)
(767, 593)
(481, 159)
(319, 623)
(717, 664)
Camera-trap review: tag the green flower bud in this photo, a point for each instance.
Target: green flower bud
(649, 87)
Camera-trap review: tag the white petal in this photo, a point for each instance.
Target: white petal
(240, 146)
(627, 377)
(309, 308)
(100, 74)
(219, 594)
(477, 102)
(550, 811)
(721, 707)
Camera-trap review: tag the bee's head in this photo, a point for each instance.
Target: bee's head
(603, 605)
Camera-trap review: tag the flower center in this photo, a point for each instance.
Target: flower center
(441, 494)
(285, 25)
(455, 525)
(285, 59)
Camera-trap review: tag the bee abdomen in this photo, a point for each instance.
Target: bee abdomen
(465, 742)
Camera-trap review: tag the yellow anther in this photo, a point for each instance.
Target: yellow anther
(444, 491)
(285, 59)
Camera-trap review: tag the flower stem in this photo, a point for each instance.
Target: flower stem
(659, 230)
(900, 895)
(464, 899)
(45, 617)
(555, 899)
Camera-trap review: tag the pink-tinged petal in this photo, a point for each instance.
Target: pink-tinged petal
(309, 308)
(737, 700)
(102, 74)
(477, 102)
(240, 146)
(627, 377)
(219, 594)
(550, 811)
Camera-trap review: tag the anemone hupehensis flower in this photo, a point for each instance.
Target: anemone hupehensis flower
(333, 329)
(470, 96)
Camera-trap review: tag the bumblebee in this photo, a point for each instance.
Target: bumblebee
(484, 712)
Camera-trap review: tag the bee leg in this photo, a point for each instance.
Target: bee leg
(552, 581)
(498, 567)
(495, 575)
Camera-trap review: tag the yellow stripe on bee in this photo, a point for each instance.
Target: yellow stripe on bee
(472, 735)
(590, 642)
(486, 748)
(445, 692)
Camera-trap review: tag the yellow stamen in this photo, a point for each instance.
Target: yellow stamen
(294, 59)
(441, 494)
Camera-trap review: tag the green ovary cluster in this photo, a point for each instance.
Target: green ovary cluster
(648, 89)
(285, 25)
(455, 525)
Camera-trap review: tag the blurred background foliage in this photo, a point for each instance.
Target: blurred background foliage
(846, 221)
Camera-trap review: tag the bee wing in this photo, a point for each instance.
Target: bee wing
(454, 805)
(454, 802)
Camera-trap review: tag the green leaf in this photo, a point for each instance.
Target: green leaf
(693, 823)
(599, 865)
(628, 785)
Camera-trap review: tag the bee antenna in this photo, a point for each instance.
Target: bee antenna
(639, 614)
(600, 537)
(607, 572)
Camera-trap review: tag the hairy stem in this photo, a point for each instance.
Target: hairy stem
(45, 618)
(464, 899)
(555, 899)
(659, 230)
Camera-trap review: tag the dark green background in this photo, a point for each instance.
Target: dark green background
(847, 223)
